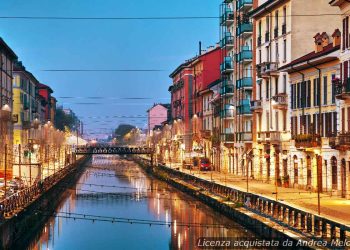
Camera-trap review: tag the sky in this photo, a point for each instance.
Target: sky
(100, 99)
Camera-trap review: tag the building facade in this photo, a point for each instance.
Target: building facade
(8, 58)
(314, 118)
(158, 114)
(25, 103)
(281, 27)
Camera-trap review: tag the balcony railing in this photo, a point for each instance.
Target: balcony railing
(268, 68)
(342, 88)
(245, 82)
(227, 65)
(274, 137)
(227, 40)
(244, 28)
(343, 139)
(280, 101)
(256, 106)
(227, 89)
(307, 140)
(228, 112)
(245, 54)
(206, 134)
(244, 137)
(228, 138)
(244, 107)
(227, 16)
(244, 4)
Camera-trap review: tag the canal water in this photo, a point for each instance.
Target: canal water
(115, 205)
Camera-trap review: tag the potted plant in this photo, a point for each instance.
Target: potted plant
(286, 181)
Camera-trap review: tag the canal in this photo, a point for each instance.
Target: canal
(115, 205)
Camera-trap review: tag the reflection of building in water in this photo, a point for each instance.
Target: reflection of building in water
(181, 209)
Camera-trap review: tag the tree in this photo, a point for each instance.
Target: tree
(65, 121)
(122, 130)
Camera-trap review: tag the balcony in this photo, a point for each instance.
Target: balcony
(256, 106)
(228, 112)
(343, 141)
(275, 32)
(244, 107)
(227, 66)
(227, 17)
(244, 5)
(342, 89)
(245, 55)
(268, 69)
(244, 137)
(206, 134)
(307, 140)
(280, 101)
(273, 137)
(244, 29)
(227, 41)
(227, 88)
(245, 82)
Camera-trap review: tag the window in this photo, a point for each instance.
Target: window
(259, 56)
(267, 121)
(276, 121)
(276, 53)
(284, 50)
(276, 20)
(267, 53)
(276, 85)
(284, 84)
(325, 83)
(260, 90)
(267, 24)
(333, 90)
(284, 15)
(267, 89)
(259, 28)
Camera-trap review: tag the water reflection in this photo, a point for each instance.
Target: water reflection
(118, 188)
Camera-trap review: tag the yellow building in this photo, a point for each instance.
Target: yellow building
(314, 116)
(25, 104)
(283, 29)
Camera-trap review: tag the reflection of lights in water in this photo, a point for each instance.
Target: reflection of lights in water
(166, 216)
(158, 203)
(179, 241)
(174, 226)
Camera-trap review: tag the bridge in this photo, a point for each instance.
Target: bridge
(108, 149)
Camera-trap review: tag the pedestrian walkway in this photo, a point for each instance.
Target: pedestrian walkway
(332, 207)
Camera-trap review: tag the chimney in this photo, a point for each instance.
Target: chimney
(325, 39)
(200, 48)
(336, 37)
(318, 43)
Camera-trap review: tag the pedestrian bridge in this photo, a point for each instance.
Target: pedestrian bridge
(107, 149)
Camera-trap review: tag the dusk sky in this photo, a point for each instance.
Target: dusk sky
(107, 44)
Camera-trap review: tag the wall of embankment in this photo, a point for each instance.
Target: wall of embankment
(21, 224)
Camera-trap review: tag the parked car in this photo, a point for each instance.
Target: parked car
(204, 164)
